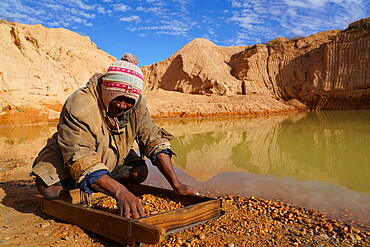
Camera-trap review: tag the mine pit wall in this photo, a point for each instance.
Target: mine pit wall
(344, 73)
(322, 72)
(331, 76)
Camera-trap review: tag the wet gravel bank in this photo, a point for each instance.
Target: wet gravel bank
(257, 222)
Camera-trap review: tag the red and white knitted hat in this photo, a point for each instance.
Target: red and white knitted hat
(123, 78)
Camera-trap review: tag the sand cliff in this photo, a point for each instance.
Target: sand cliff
(40, 68)
(327, 70)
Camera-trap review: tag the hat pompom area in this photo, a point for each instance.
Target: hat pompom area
(130, 58)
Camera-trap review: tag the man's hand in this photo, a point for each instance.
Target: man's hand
(128, 203)
(165, 166)
(184, 189)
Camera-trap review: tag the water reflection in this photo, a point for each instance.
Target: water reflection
(330, 147)
(22, 144)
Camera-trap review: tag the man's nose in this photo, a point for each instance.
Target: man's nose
(122, 105)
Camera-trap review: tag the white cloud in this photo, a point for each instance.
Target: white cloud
(245, 20)
(82, 5)
(121, 7)
(101, 10)
(132, 18)
(173, 27)
(236, 4)
(54, 24)
(296, 3)
(270, 19)
(52, 13)
(292, 12)
(78, 20)
(155, 10)
(86, 15)
(211, 31)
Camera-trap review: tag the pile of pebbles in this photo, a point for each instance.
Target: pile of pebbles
(152, 204)
(258, 222)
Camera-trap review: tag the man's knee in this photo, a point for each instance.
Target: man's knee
(138, 174)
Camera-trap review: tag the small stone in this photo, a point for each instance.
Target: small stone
(351, 236)
(178, 241)
(45, 224)
(357, 237)
(230, 245)
(202, 236)
(307, 221)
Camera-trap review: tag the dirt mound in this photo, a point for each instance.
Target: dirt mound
(200, 67)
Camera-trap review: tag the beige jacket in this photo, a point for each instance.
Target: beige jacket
(87, 139)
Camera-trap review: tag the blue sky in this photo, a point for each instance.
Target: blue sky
(155, 29)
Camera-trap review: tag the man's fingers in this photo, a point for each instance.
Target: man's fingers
(141, 211)
(186, 190)
(127, 212)
(135, 214)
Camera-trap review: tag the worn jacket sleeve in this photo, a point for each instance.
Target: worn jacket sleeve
(77, 135)
(150, 137)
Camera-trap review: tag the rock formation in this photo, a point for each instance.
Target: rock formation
(323, 71)
(41, 67)
(200, 67)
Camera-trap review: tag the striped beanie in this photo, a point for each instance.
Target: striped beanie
(123, 78)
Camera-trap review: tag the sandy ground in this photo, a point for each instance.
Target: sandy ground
(246, 222)
(174, 104)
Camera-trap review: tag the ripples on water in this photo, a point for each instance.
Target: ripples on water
(318, 160)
